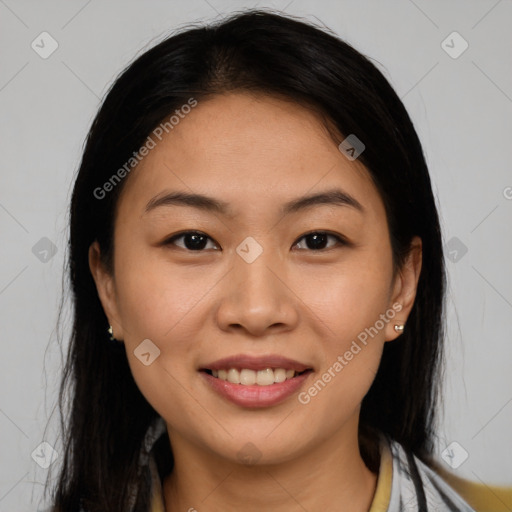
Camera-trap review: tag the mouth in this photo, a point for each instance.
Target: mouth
(255, 381)
(250, 377)
(252, 381)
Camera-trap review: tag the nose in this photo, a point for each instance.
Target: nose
(257, 297)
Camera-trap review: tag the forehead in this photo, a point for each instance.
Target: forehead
(247, 148)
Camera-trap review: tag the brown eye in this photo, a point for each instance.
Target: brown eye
(197, 241)
(318, 240)
(192, 240)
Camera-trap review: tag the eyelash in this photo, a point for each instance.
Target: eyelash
(341, 241)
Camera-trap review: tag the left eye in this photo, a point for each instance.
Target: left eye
(318, 240)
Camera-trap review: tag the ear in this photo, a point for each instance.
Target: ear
(105, 286)
(404, 288)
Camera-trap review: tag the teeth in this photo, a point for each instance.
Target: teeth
(280, 375)
(234, 376)
(265, 377)
(248, 377)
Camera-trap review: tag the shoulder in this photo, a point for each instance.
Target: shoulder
(480, 495)
(416, 486)
(414, 482)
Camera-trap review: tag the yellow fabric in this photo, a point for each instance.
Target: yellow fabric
(382, 494)
(482, 497)
(157, 499)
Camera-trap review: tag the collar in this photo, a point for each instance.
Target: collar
(404, 482)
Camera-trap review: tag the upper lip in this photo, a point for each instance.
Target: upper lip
(256, 363)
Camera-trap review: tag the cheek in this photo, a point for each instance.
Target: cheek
(158, 305)
(155, 297)
(351, 296)
(162, 307)
(351, 307)
(351, 310)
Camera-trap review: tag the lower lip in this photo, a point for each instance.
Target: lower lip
(255, 395)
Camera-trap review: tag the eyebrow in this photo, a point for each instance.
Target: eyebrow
(333, 197)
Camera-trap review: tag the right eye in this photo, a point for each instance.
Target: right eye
(192, 240)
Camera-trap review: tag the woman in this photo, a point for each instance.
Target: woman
(253, 222)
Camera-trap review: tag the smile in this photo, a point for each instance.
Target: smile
(248, 377)
(255, 389)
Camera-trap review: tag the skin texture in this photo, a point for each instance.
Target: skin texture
(255, 152)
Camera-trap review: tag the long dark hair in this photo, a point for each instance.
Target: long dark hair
(278, 55)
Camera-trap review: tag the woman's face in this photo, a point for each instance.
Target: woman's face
(270, 275)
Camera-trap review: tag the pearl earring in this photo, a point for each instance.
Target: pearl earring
(399, 328)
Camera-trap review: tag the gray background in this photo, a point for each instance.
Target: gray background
(460, 106)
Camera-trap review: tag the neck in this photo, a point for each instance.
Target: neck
(331, 476)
